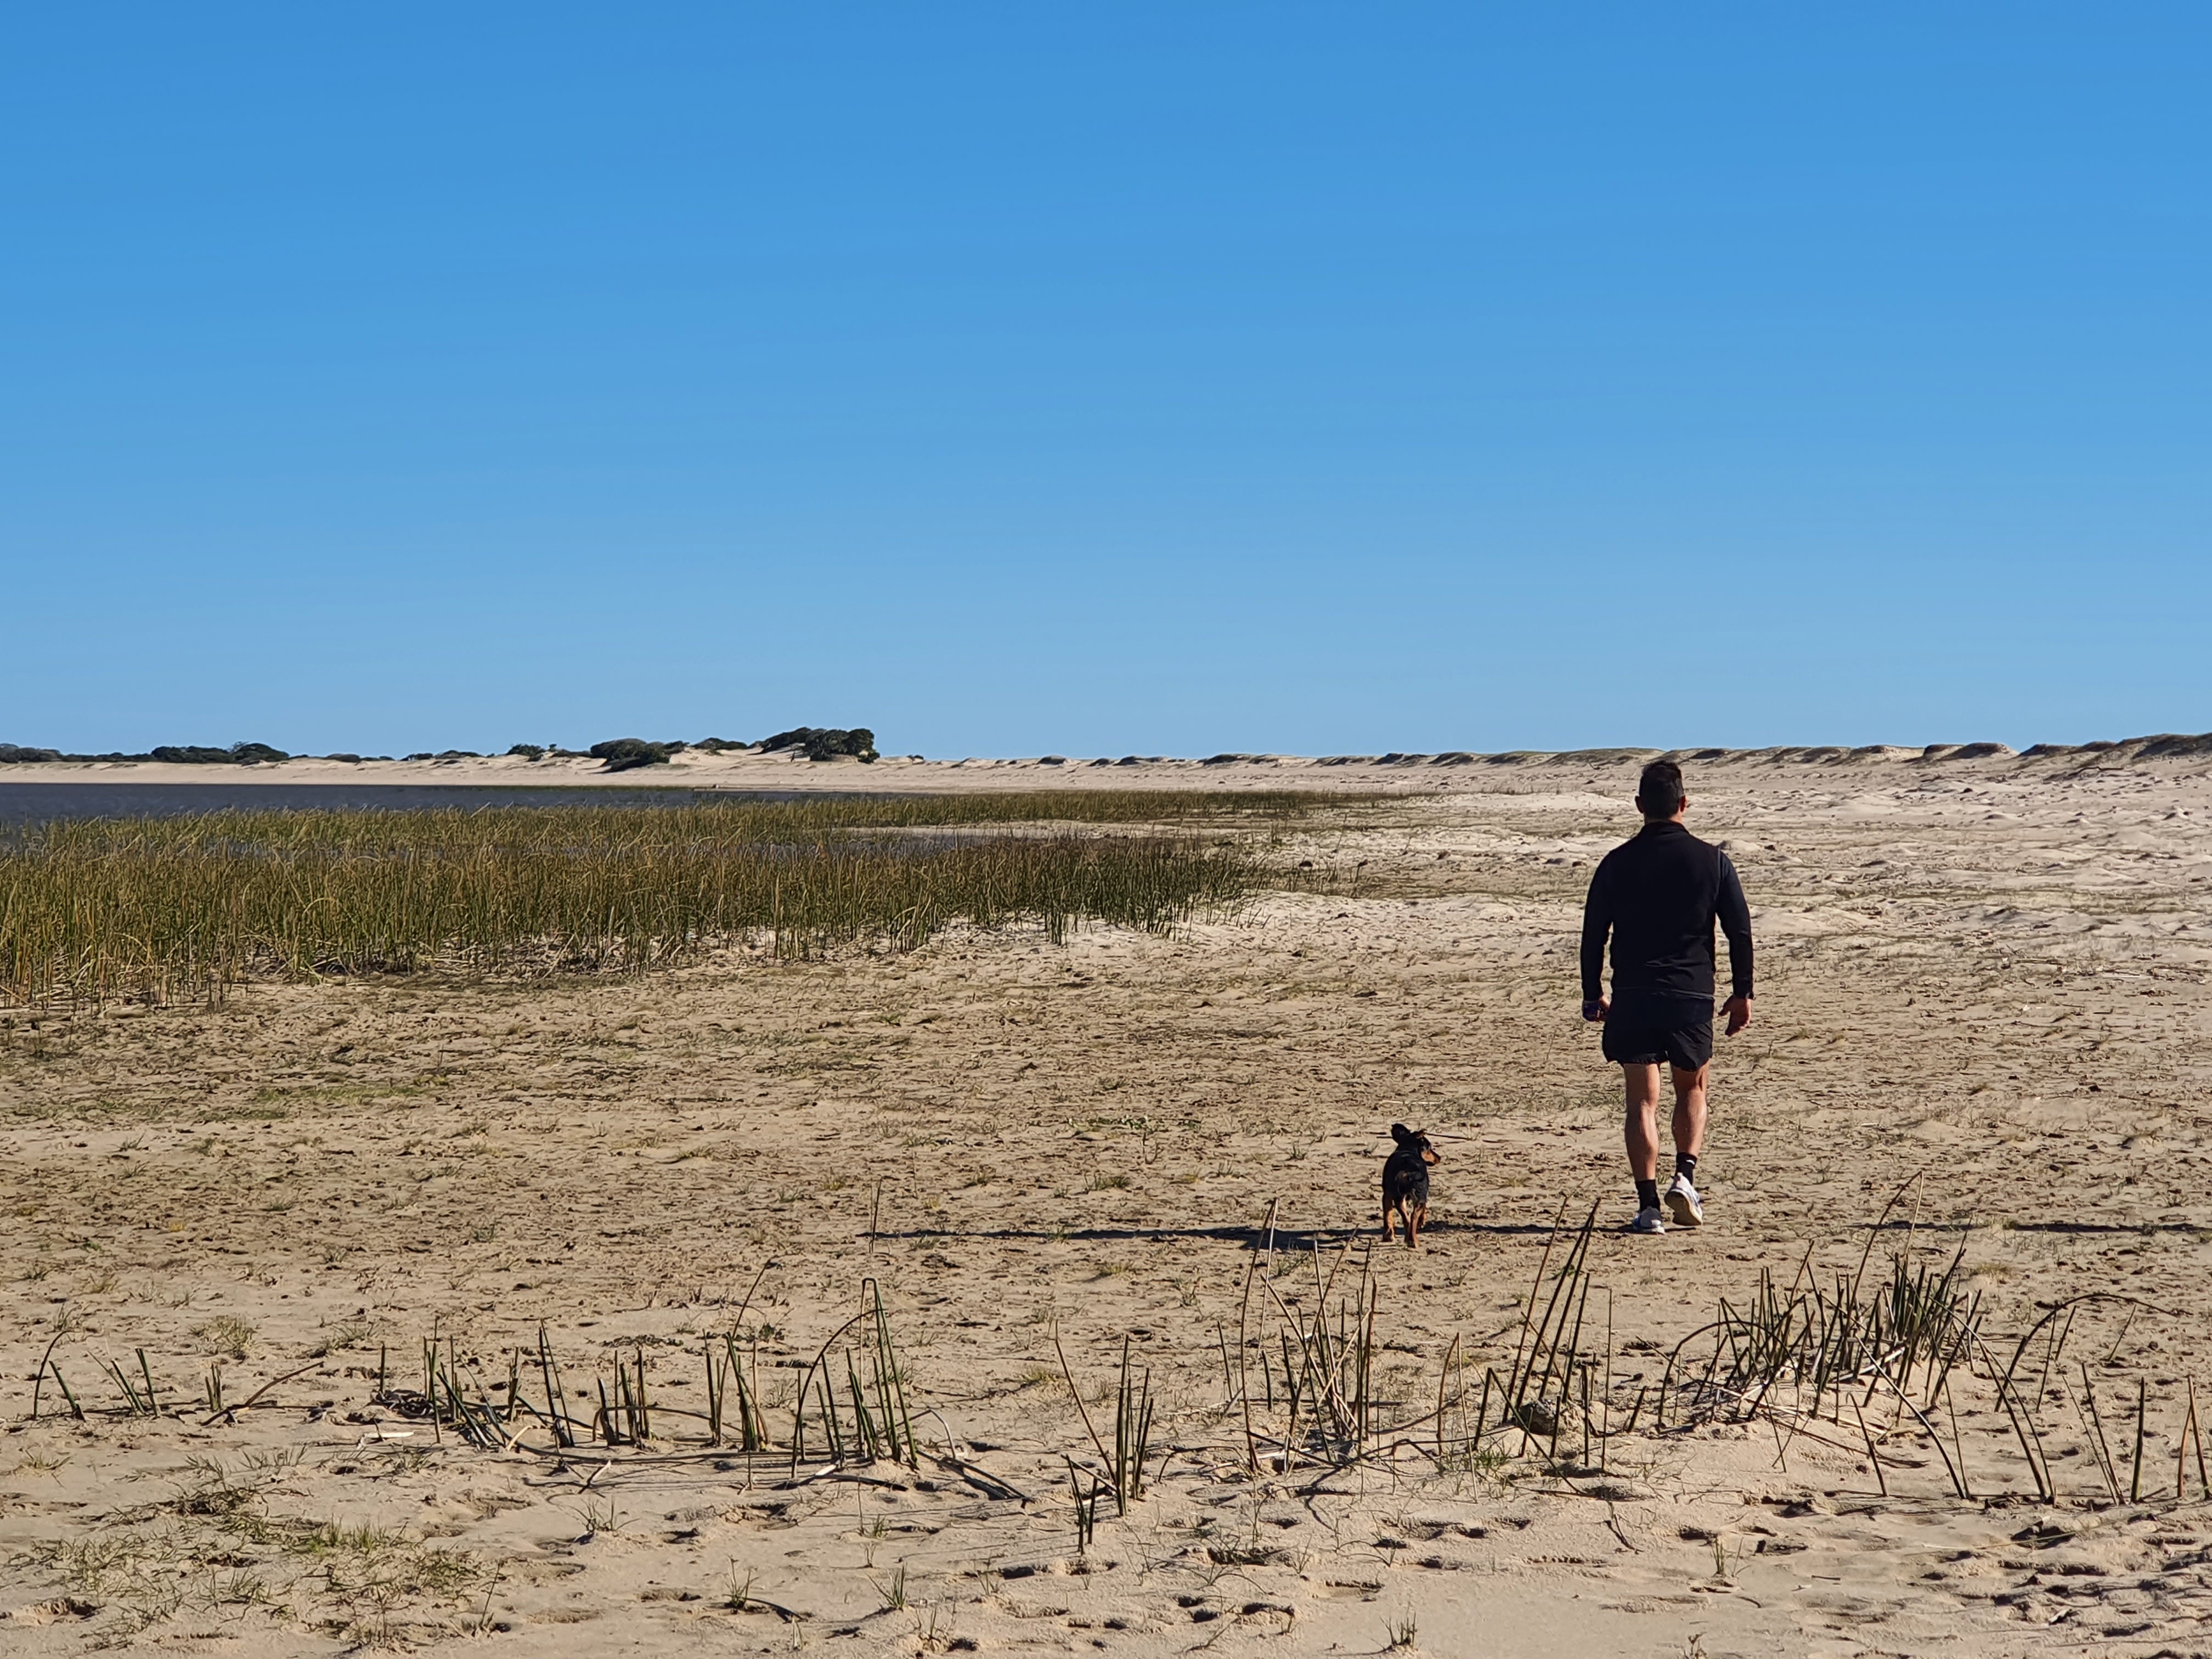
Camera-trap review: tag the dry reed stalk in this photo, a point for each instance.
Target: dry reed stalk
(2025, 1429)
(2092, 1423)
(1443, 1376)
(2181, 1453)
(2196, 1438)
(1243, 1375)
(1959, 1440)
(1873, 1456)
(2142, 1410)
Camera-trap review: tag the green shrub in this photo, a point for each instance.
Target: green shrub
(824, 743)
(625, 753)
(194, 754)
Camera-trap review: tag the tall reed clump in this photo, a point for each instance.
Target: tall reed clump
(185, 906)
(1134, 1409)
(1321, 1407)
(875, 1423)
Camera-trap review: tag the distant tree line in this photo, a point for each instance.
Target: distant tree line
(239, 754)
(617, 754)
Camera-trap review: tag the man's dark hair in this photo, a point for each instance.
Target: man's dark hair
(1659, 791)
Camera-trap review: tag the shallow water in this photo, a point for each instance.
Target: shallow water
(42, 803)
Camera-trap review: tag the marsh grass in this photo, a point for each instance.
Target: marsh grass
(156, 908)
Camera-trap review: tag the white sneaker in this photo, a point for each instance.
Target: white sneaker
(1683, 1207)
(1647, 1221)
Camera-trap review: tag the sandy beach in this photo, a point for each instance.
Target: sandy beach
(1985, 983)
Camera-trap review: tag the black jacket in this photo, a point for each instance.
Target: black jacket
(1659, 896)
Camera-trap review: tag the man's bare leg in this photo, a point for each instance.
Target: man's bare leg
(1689, 1110)
(1640, 1129)
(1684, 1208)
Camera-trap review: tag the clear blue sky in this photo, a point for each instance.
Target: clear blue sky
(1089, 380)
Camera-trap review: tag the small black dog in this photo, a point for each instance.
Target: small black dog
(1406, 1183)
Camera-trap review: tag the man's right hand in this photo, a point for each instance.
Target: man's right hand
(1596, 1009)
(1738, 1009)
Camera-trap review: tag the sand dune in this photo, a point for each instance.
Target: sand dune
(1451, 772)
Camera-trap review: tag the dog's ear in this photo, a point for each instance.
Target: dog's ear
(1402, 1136)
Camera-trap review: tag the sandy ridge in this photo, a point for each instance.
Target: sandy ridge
(1451, 772)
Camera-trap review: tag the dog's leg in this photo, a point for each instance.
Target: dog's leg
(1387, 1234)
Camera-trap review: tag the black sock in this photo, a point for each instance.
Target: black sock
(1685, 1165)
(1647, 1194)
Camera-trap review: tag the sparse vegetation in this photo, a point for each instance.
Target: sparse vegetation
(216, 1545)
(226, 1335)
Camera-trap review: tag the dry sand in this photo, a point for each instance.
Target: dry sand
(1990, 973)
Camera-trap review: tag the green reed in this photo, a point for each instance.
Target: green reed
(159, 908)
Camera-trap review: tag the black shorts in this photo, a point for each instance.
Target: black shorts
(1636, 1040)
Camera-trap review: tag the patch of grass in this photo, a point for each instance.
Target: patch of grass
(217, 1548)
(151, 909)
(225, 1334)
(337, 1094)
(894, 1592)
(341, 1338)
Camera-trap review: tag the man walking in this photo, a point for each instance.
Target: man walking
(1659, 896)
